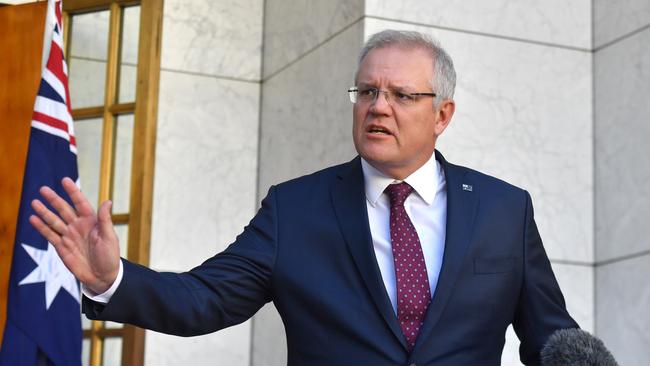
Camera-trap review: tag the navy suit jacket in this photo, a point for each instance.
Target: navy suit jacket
(309, 250)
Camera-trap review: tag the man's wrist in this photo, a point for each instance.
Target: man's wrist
(106, 295)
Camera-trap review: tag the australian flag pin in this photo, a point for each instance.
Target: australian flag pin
(467, 187)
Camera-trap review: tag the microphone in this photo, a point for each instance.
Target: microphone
(575, 347)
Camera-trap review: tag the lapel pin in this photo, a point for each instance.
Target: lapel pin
(467, 187)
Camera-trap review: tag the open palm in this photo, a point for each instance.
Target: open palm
(85, 241)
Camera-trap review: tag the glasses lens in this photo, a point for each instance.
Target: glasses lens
(367, 95)
(352, 93)
(402, 98)
(393, 97)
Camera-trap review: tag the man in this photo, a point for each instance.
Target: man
(396, 257)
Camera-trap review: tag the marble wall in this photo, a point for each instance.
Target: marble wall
(206, 154)
(551, 22)
(622, 195)
(305, 119)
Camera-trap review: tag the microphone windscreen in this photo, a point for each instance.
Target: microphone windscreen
(575, 347)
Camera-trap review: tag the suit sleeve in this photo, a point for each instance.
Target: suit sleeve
(541, 309)
(225, 290)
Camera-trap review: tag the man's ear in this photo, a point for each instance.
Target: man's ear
(443, 115)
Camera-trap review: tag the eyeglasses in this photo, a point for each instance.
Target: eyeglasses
(367, 95)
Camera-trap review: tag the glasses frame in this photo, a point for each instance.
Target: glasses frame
(354, 90)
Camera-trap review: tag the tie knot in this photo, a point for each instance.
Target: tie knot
(398, 193)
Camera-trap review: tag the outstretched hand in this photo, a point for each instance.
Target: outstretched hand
(85, 241)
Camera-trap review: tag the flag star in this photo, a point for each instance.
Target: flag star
(51, 270)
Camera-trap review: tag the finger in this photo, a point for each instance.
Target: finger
(104, 218)
(80, 202)
(48, 217)
(45, 230)
(66, 211)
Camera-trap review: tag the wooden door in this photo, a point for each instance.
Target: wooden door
(20, 72)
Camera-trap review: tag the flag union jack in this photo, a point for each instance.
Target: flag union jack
(52, 112)
(43, 309)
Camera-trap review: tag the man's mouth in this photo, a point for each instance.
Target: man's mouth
(378, 130)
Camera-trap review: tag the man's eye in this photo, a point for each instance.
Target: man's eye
(369, 92)
(404, 96)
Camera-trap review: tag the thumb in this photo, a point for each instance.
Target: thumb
(104, 219)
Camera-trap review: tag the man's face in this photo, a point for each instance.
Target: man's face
(397, 139)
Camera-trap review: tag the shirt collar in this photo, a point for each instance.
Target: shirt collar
(425, 181)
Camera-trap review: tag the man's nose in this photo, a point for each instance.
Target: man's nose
(381, 104)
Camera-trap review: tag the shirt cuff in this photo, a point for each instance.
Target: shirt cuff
(105, 297)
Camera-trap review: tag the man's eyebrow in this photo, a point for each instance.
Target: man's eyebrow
(401, 87)
(404, 88)
(364, 83)
(398, 87)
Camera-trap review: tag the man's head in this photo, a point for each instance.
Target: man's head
(395, 124)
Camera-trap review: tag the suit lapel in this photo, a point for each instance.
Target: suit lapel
(349, 200)
(462, 205)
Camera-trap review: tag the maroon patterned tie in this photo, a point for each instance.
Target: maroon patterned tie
(413, 293)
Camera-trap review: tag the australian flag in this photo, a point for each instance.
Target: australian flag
(43, 309)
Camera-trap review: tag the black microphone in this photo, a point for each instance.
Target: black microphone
(575, 347)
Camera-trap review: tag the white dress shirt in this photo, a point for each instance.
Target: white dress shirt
(426, 206)
(427, 209)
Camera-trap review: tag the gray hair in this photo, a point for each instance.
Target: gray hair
(444, 74)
